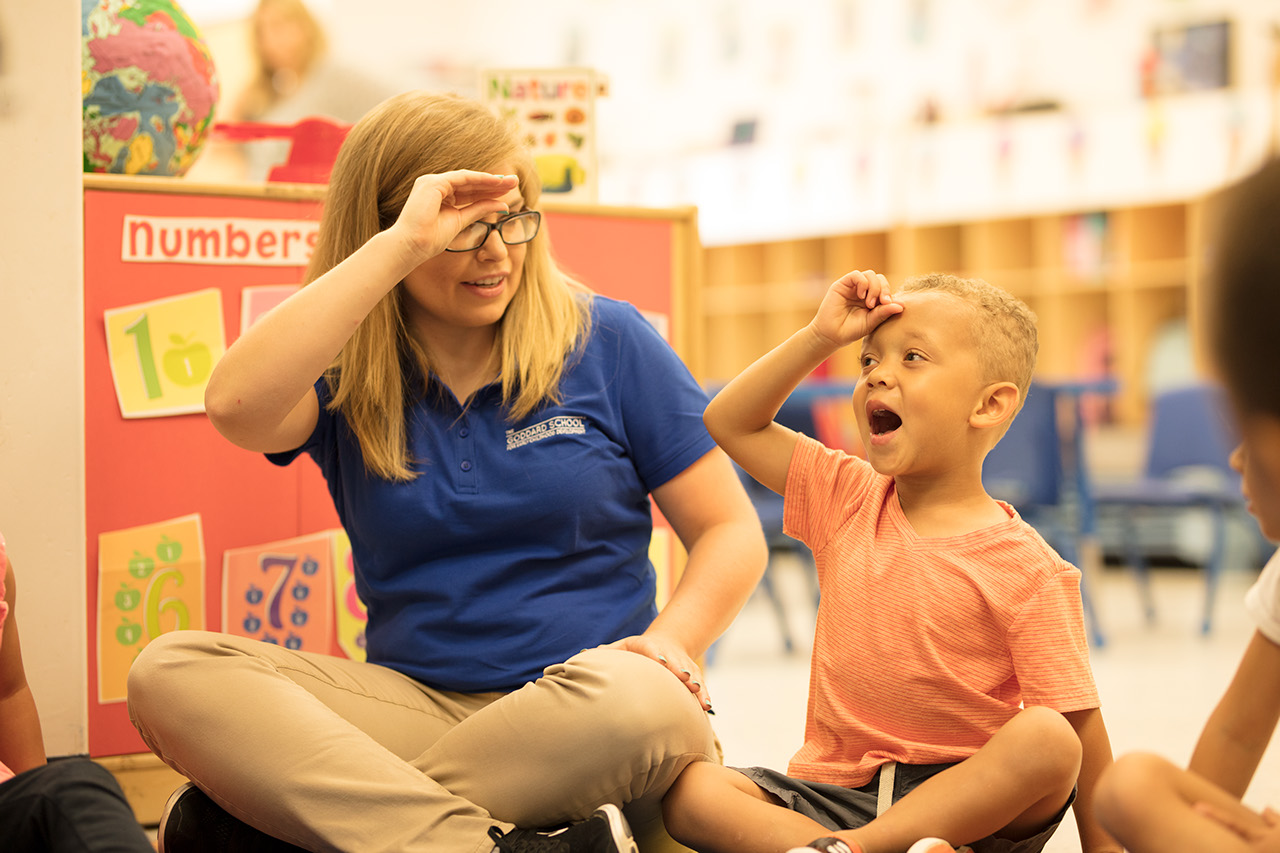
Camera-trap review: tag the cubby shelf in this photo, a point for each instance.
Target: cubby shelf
(1103, 283)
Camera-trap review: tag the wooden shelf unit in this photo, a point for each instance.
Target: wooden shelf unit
(1117, 275)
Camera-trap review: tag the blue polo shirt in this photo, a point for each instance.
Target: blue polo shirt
(520, 543)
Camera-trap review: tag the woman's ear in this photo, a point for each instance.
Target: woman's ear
(996, 407)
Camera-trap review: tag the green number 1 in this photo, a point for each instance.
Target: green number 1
(141, 331)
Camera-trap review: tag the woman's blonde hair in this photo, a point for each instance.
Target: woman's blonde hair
(379, 371)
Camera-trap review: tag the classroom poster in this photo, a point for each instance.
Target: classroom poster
(183, 256)
(162, 352)
(350, 610)
(258, 300)
(150, 582)
(281, 592)
(555, 110)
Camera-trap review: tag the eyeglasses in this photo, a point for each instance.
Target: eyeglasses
(514, 229)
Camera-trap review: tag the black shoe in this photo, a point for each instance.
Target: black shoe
(193, 823)
(606, 831)
(824, 845)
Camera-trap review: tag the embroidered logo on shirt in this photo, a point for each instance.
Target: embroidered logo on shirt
(563, 425)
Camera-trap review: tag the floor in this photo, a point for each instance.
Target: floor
(1158, 682)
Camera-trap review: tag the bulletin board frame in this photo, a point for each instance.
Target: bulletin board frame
(151, 470)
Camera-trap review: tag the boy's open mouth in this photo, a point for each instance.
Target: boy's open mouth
(883, 421)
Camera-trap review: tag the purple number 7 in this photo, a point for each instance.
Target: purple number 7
(269, 562)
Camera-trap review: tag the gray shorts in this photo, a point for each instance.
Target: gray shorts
(839, 808)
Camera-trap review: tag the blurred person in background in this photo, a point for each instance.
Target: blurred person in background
(295, 76)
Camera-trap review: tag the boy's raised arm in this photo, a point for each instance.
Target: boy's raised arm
(740, 418)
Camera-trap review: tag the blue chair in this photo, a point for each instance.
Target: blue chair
(1189, 444)
(1039, 471)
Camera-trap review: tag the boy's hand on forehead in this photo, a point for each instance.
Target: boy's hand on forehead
(854, 305)
(440, 206)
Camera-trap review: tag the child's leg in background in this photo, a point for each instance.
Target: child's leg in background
(714, 808)
(1149, 804)
(68, 806)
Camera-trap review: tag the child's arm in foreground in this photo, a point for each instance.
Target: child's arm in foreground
(21, 743)
(740, 418)
(1241, 726)
(1154, 805)
(1094, 758)
(1234, 739)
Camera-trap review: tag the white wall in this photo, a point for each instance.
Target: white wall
(837, 88)
(683, 71)
(41, 354)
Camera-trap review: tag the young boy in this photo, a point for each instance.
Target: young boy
(942, 612)
(1145, 801)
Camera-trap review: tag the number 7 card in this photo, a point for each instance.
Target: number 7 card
(281, 592)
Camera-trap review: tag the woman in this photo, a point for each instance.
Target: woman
(490, 433)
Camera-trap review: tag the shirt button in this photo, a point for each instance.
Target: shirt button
(466, 465)
(464, 432)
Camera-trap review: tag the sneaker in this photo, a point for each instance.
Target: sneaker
(835, 845)
(606, 831)
(825, 845)
(193, 823)
(931, 845)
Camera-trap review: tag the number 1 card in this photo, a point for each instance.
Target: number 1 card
(163, 352)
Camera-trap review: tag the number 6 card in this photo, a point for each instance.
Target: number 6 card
(163, 352)
(150, 582)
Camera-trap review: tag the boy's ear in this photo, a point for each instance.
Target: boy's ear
(996, 406)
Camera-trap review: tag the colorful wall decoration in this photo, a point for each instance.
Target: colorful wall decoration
(186, 531)
(165, 275)
(150, 582)
(281, 592)
(555, 108)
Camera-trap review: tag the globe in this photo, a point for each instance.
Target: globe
(149, 87)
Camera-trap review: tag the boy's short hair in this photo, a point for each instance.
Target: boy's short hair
(1004, 328)
(1244, 305)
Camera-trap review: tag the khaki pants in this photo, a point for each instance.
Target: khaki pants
(333, 754)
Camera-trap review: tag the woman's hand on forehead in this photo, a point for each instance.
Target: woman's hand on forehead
(467, 187)
(440, 206)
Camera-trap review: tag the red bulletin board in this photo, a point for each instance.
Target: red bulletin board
(151, 471)
(645, 256)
